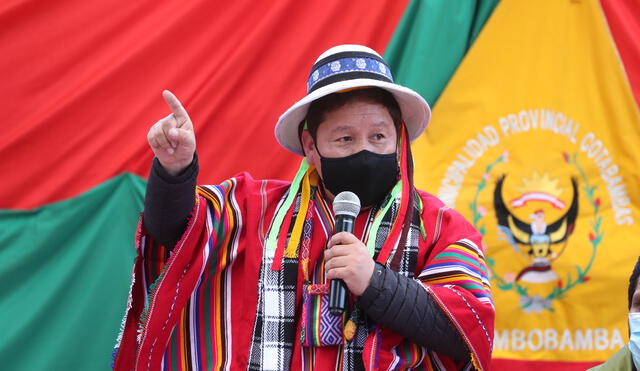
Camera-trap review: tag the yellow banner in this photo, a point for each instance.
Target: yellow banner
(537, 141)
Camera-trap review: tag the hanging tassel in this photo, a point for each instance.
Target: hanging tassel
(296, 233)
(304, 261)
(276, 236)
(404, 193)
(352, 324)
(281, 241)
(407, 198)
(272, 235)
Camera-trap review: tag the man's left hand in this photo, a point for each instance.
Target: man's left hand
(347, 258)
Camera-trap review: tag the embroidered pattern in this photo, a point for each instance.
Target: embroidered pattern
(345, 65)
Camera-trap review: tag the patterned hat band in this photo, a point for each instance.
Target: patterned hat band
(347, 66)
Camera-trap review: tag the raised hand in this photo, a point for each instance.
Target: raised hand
(172, 139)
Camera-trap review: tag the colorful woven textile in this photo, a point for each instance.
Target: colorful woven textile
(199, 307)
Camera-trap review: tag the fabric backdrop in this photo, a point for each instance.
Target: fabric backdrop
(541, 102)
(82, 84)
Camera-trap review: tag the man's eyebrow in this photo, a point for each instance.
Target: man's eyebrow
(340, 128)
(379, 123)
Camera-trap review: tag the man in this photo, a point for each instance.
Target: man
(237, 277)
(628, 358)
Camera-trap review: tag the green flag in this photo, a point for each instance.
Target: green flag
(63, 291)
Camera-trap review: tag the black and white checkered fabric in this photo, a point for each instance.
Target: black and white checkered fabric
(275, 324)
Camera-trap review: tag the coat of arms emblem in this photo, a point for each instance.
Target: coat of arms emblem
(537, 238)
(541, 240)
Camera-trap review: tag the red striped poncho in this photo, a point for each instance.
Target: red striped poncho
(195, 307)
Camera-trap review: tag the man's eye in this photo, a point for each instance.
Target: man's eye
(379, 136)
(344, 139)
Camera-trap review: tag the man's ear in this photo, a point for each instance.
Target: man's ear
(308, 148)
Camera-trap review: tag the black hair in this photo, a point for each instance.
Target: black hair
(321, 106)
(633, 281)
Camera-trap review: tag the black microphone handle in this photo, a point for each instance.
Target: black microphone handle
(338, 293)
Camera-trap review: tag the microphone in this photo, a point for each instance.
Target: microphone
(346, 206)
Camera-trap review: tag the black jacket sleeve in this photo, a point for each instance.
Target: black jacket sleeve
(400, 304)
(169, 201)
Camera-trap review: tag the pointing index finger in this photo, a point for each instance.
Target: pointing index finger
(176, 107)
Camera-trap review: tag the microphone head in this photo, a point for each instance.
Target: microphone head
(346, 203)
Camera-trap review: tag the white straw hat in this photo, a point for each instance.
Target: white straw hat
(345, 67)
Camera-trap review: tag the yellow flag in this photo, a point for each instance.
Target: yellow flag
(536, 140)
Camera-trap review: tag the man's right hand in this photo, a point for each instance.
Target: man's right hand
(172, 139)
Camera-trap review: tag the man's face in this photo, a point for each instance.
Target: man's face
(356, 126)
(635, 301)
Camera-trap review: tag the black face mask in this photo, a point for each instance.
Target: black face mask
(367, 174)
